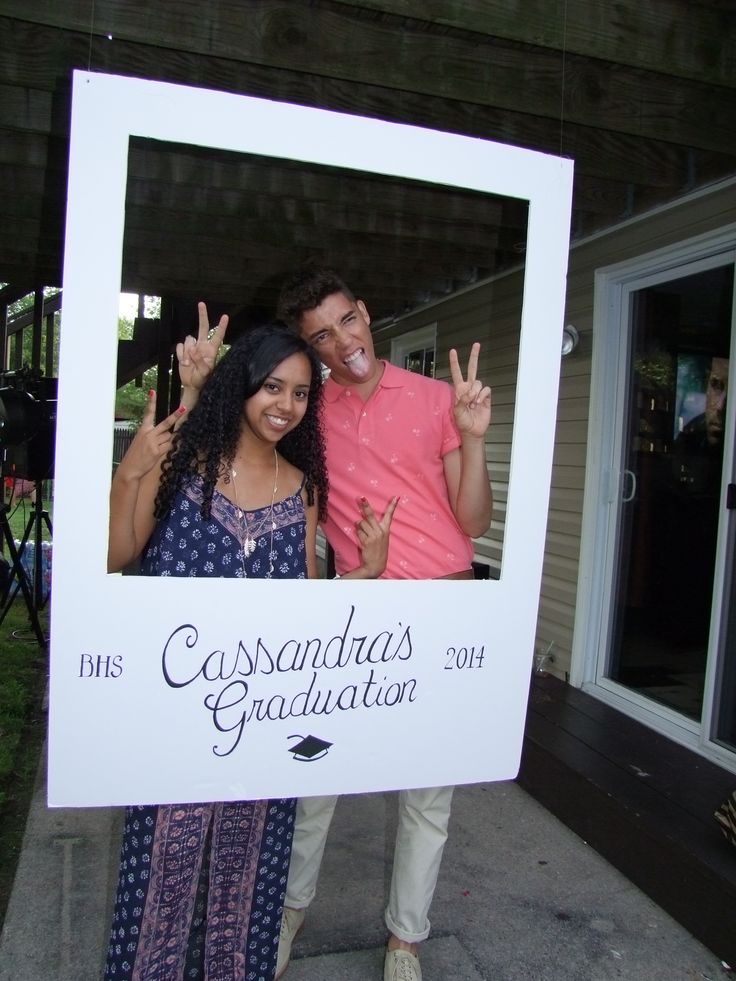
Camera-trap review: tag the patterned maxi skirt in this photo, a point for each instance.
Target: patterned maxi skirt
(201, 892)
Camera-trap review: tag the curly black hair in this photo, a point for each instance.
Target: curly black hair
(305, 289)
(207, 440)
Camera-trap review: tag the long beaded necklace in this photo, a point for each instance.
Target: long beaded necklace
(250, 536)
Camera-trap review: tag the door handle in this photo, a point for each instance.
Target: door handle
(625, 498)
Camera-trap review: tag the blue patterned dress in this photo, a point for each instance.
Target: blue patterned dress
(201, 886)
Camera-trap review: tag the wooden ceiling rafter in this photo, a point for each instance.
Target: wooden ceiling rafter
(504, 74)
(593, 28)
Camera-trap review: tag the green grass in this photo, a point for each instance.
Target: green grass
(22, 732)
(23, 675)
(22, 510)
(22, 680)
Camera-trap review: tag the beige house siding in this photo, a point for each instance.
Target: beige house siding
(491, 314)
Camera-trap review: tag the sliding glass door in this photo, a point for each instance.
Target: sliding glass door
(670, 644)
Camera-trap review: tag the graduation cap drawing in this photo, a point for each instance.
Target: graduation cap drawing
(309, 749)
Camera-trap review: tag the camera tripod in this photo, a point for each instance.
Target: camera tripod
(18, 578)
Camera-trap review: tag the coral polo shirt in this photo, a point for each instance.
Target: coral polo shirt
(394, 445)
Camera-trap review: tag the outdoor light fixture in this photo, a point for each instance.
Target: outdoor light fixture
(570, 339)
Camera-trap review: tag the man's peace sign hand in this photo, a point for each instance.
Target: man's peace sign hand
(472, 398)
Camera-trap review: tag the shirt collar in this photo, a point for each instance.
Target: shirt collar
(392, 378)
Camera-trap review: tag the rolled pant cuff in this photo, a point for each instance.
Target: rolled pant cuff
(405, 935)
(296, 903)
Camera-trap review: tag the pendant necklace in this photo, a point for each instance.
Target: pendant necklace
(250, 536)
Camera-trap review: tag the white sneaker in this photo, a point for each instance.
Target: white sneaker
(401, 965)
(291, 923)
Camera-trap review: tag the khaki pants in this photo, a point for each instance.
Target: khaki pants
(420, 840)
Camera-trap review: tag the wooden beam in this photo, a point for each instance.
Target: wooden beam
(676, 37)
(490, 72)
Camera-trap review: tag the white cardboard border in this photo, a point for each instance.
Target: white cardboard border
(128, 737)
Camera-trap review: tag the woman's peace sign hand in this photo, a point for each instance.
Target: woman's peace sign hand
(197, 356)
(150, 444)
(472, 398)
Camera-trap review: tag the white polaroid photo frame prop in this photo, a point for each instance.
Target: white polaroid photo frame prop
(167, 690)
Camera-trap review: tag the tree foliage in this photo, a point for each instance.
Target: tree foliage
(130, 399)
(25, 337)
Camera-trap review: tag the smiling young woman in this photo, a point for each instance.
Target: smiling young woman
(233, 488)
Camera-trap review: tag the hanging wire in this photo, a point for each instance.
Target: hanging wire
(564, 66)
(91, 30)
